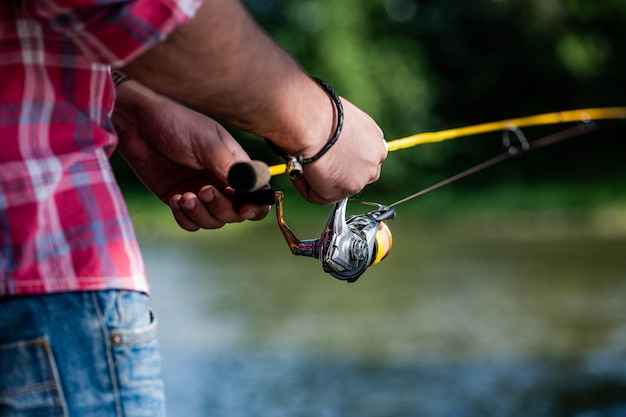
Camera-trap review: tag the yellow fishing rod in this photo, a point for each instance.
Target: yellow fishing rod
(568, 116)
(349, 245)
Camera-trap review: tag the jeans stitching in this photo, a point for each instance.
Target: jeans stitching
(110, 361)
(55, 373)
(54, 383)
(120, 357)
(124, 340)
(136, 336)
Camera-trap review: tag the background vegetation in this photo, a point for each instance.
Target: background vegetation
(420, 65)
(503, 294)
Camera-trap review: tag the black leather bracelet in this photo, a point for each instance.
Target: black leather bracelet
(295, 164)
(119, 77)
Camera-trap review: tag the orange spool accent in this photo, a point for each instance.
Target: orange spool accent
(384, 241)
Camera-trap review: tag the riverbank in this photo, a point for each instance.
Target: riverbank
(548, 211)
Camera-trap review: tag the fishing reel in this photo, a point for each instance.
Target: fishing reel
(347, 246)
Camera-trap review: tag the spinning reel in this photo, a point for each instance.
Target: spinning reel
(347, 245)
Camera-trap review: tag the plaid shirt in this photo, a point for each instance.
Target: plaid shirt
(63, 223)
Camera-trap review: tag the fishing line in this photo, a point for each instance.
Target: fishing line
(512, 151)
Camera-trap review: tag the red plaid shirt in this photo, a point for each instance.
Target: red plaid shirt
(63, 223)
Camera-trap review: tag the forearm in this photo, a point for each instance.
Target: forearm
(224, 65)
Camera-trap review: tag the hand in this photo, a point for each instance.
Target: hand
(181, 156)
(349, 165)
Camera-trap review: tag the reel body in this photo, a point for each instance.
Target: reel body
(347, 246)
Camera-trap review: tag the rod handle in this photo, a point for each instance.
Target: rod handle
(249, 176)
(250, 180)
(265, 196)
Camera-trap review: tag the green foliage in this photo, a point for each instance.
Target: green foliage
(436, 64)
(420, 65)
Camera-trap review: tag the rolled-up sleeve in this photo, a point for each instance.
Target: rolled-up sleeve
(113, 32)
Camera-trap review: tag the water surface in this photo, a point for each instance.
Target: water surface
(450, 324)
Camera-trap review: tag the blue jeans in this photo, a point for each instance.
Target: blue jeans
(82, 354)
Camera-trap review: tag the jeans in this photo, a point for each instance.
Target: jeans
(82, 354)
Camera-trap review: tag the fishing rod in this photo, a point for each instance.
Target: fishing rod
(349, 245)
(581, 115)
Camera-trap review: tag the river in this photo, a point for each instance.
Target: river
(451, 324)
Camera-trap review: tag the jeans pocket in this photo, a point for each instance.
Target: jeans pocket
(29, 382)
(137, 363)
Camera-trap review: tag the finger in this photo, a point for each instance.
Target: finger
(220, 205)
(248, 211)
(199, 214)
(254, 212)
(312, 196)
(309, 191)
(219, 155)
(179, 214)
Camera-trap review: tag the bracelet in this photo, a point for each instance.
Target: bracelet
(295, 164)
(118, 77)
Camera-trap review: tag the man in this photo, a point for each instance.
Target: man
(76, 332)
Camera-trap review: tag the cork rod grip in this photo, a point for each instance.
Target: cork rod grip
(249, 176)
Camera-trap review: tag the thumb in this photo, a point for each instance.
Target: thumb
(216, 150)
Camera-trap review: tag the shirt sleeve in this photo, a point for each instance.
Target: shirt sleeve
(113, 32)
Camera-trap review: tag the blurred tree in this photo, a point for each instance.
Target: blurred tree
(434, 64)
(506, 58)
(418, 65)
